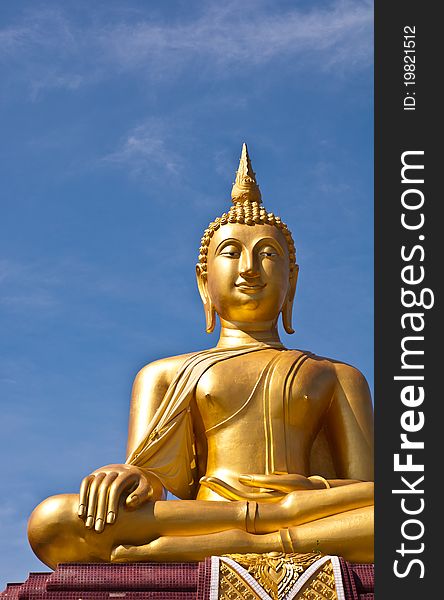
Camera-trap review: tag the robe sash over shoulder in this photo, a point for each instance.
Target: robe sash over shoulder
(168, 450)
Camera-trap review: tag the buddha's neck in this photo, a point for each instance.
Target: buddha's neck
(239, 334)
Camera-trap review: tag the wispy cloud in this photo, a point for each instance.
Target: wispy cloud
(37, 51)
(147, 150)
(50, 49)
(60, 287)
(222, 36)
(27, 286)
(328, 181)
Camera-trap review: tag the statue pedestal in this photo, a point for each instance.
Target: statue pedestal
(187, 581)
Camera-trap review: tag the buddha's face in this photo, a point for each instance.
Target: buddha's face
(248, 272)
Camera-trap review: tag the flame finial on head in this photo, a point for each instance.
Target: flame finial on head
(247, 208)
(245, 187)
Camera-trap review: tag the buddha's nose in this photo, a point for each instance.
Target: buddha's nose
(248, 266)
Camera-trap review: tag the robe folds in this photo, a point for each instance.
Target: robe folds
(168, 449)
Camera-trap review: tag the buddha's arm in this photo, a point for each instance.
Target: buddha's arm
(101, 491)
(349, 425)
(149, 388)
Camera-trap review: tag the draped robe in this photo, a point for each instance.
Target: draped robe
(168, 449)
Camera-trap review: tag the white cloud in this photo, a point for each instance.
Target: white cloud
(223, 35)
(60, 287)
(49, 50)
(26, 287)
(54, 80)
(148, 150)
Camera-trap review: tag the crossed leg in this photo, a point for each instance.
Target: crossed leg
(349, 534)
(337, 520)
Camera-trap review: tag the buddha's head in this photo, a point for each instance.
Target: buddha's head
(247, 269)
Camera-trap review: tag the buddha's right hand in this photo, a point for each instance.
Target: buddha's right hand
(101, 491)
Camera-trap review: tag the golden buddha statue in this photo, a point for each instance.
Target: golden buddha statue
(268, 449)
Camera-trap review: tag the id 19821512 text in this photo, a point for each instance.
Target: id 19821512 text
(409, 68)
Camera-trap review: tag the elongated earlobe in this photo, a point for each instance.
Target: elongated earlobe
(210, 317)
(287, 308)
(210, 313)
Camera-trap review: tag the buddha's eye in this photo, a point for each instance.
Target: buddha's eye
(268, 252)
(230, 252)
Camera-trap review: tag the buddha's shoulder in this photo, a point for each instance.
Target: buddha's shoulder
(333, 368)
(161, 370)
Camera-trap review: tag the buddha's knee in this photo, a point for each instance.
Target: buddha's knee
(55, 532)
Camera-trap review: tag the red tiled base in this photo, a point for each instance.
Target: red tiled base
(150, 581)
(118, 577)
(358, 580)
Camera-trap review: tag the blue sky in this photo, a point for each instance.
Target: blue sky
(122, 125)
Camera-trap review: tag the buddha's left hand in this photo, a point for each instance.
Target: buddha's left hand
(282, 483)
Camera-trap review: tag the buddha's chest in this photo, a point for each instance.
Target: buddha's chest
(242, 394)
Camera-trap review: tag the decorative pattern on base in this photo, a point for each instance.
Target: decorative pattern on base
(276, 576)
(249, 577)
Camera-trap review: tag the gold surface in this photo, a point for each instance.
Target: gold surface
(321, 586)
(277, 576)
(233, 587)
(245, 187)
(269, 449)
(276, 572)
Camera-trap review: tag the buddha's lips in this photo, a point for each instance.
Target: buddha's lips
(245, 287)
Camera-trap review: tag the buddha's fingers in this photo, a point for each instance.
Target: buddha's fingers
(102, 501)
(83, 495)
(116, 489)
(92, 500)
(142, 493)
(283, 483)
(230, 493)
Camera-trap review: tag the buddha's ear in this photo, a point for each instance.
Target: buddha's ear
(287, 308)
(210, 313)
